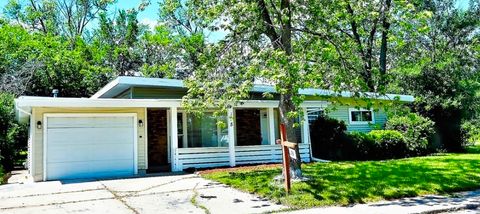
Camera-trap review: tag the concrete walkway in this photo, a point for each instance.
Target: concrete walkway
(464, 202)
(189, 193)
(160, 194)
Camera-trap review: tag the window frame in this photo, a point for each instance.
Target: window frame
(185, 131)
(350, 119)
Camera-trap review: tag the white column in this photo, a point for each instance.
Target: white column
(271, 125)
(231, 136)
(306, 128)
(173, 137)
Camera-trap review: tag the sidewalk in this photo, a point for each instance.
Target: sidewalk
(424, 204)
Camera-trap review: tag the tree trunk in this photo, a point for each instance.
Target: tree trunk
(286, 105)
(384, 43)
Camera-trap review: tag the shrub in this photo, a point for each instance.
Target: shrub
(1, 175)
(360, 146)
(328, 136)
(471, 132)
(13, 136)
(388, 144)
(417, 130)
(377, 145)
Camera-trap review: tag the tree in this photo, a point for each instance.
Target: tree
(117, 42)
(187, 32)
(63, 17)
(34, 64)
(292, 45)
(441, 69)
(260, 45)
(364, 35)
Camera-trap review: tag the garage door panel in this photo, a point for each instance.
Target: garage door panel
(105, 152)
(76, 136)
(85, 122)
(84, 169)
(86, 147)
(68, 153)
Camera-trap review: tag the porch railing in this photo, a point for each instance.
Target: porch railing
(244, 155)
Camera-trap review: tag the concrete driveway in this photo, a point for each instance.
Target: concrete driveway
(160, 194)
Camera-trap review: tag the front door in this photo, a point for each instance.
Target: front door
(157, 140)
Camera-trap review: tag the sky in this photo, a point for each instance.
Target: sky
(150, 14)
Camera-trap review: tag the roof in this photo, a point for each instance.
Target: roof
(24, 104)
(120, 84)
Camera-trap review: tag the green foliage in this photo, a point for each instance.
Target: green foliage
(441, 69)
(418, 132)
(13, 136)
(345, 183)
(326, 134)
(376, 145)
(1, 175)
(388, 144)
(471, 132)
(330, 141)
(34, 64)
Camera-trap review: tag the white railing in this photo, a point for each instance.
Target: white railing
(219, 156)
(266, 154)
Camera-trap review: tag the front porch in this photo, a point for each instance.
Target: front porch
(198, 142)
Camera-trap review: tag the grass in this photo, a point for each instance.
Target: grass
(343, 183)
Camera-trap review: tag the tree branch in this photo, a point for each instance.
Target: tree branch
(267, 21)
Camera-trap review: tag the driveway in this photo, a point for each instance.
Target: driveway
(160, 194)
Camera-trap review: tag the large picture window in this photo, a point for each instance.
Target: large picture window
(203, 131)
(361, 116)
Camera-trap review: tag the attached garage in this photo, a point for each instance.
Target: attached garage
(89, 145)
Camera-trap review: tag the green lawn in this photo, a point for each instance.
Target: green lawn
(342, 183)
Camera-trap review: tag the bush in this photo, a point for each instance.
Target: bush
(417, 130)
(388, 144)
(471, 132)
(13, 136)
(330, 141)
(328, 136)
(2, 174)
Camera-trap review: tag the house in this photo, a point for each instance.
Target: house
(136, 125)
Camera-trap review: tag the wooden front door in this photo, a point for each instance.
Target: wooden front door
(157, 140)
(248, 127)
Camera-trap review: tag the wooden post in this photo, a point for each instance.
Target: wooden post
(286, 146)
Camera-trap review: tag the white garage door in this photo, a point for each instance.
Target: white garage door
(80, 146)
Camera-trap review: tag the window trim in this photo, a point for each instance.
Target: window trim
(350, 110)
(185, 131)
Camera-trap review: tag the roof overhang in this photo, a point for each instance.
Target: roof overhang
(25, 104)
(123, 83)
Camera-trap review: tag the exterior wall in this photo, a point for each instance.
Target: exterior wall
(342, 113)
(37, 145)
(169, 93)
(157, 93)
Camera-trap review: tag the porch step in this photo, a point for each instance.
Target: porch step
(155, 169)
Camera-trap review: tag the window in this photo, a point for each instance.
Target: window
(314, 114)
(361, 116)
(204, 132)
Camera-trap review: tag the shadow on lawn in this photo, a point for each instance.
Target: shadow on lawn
(347, 183)
(360, 182)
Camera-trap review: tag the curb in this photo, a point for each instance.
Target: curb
(452, 209)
